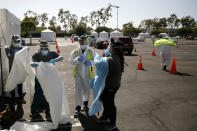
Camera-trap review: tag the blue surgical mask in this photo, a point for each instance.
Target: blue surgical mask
(83, 47)
(44, 52)
(16, 44)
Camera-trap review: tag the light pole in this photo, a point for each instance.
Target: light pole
(117, 12)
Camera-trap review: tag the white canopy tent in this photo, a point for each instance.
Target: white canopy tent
(48, 35)
(95, 34)
(115, 33)
(103, 36)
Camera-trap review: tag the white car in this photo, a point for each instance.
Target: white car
(139, 39)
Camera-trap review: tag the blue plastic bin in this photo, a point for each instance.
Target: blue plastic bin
(23, 42)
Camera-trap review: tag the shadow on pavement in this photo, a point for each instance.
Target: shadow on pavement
(89, 123)
(180, 73)
(64, 127)
(126, 54)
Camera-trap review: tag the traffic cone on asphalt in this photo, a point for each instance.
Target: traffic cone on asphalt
(173, 67)
(72, 40)
(153, 52)
(140, 66)
(57, 47)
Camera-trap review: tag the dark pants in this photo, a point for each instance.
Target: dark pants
(20, 91)
(39, 102)
(107, 97)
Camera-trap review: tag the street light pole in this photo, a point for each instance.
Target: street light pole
(117, 12)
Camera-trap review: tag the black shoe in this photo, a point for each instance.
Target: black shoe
(48, 117)
(19, 112)
(36, 118)
(111, 128)
(102, 119)
(164, 68)
(77, 111)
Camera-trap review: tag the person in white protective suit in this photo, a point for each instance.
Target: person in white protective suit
(39, 100)
(82, 58)
(165, 56)
(11, 51)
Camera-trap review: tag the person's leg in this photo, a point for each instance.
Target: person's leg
(104, 99)
(12, 107)
(86, 94)
(112, 108)
(78, 95)
(19, 108)
(36, 103)
(111, 112)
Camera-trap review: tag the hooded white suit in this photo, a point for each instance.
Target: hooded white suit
(165, 54)
(82, 78)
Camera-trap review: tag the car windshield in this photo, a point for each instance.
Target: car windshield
(125, 39)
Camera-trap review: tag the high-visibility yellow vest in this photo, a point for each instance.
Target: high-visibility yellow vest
(89, 68)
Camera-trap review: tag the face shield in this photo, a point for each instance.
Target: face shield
(15, 40)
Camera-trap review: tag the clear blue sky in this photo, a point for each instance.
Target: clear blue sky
(130, 10)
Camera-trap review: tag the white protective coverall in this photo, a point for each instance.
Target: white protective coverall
(165, 54)
(55, 94)
(82, 78)
(19, 71)
(52, 86)
(5, 68)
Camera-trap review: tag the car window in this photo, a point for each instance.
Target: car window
(125, 39)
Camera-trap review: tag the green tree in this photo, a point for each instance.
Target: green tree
(163, 23)
(27, 27)
(184, 31)
(53, 21)
(103, 28)
(172, 21)
(32, 16)
(44, 18)
(188, 21)
(73, 21)
(84, 21)
(100, 16)
(65, 18)
(80, 30)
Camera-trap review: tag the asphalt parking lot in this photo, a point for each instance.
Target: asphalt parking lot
(148, 100)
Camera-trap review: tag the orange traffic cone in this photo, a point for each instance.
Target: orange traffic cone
(72, 40)
(173, 67)
(153, 52)
(140, 66)
(57, 47)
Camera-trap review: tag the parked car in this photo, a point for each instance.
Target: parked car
(139, 39)
(126, 43)
(99, 44)
(177, 37)
(106, 44)
(189, 37)
(76, 37)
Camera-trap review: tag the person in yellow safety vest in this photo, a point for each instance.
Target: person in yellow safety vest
(89, 40)
(82, 58)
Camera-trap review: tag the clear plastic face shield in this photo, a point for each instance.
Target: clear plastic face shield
(82, 44)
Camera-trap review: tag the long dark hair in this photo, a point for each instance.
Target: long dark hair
(121, 55)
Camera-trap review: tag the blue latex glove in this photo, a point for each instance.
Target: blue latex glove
(80, 59)
(107, 53)
(52, 61)
(35, 64)
(87, 63)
